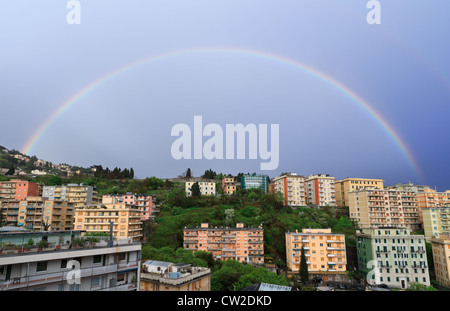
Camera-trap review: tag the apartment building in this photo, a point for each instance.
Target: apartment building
(166, 276)
(229, 186)
(410, 187)
(239, 243)
(17, 189)
(145, 203)
(207, 187)
(320, 190)
(78, 194)
(441, 258)
(99, 268)
(436, 220)
(96, 218)
(36, 212)
(372, 208)
(344, 186)
(429, 198)
(324, 250)
(254, 181)
(292, 186)
(392, 256)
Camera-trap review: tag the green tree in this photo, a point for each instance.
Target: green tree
(11, 170)
(188, 173)
(303, 271)
(195, 189)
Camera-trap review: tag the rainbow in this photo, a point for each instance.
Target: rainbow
(387, 128)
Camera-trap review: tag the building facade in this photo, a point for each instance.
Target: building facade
(372, 208)
(240, 243)
(292, 186)
(126, 220)
(206, 187)
(324, 250)
(166, 276)
(229, 186)
(78, 194)
(36, 213)
(344, 186)
(441, 258)
(254, 181)
(436, 220)
(17, 189)
(392, 256)
(102, 268)
(429, 198)
(145, 203)
(320, 190)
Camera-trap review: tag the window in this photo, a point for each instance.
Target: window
(41, 266)
(97, 259)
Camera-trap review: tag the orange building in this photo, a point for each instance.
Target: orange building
(228, 186)
(441, 258)
(240, 243)
(17, 189)
(431, 198)
(324, 250)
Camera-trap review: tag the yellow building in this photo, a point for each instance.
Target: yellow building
(240, 243)
(441, 258)
(35, 212)
(167, 276)
(324, 250)
(344, 186)
(206, 187)
(97, 218)
(436, 220)
(292, 186)
(373, 208)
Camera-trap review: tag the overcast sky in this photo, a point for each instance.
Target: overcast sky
(400, 67)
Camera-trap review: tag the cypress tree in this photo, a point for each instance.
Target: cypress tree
(303, 271)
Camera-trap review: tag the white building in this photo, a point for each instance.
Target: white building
(206, 187)
(99, 268)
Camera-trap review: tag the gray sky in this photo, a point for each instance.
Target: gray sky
(401, 67)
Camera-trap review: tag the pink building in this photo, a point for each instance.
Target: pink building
(144, 202)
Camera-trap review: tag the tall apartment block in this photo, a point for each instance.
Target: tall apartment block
(229, 186)
(254, 181)
(392, 256)
(344, 186)
(429, 198)
(436, 220)
(78, 194)
(206, 187)
(292, 186)
(240, 243)
(324, 250)
(17, 189)
(96, 218)
(320, 190)
(33, 212)
(87, 268)
(166, 276)
(145, 203)
(372, 208)
(441, 258)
